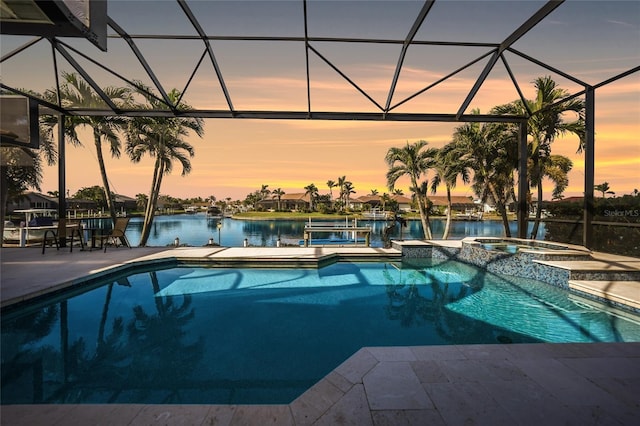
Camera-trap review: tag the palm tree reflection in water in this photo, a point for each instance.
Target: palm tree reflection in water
(411, 309)
(160, 357)
(137, 359)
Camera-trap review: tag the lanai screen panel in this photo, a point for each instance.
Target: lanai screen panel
(353, 59)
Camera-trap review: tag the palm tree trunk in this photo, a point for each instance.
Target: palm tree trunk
(103, 318)
(424, 218)
(148, 220)
(144, 235)
(151, 203)
(155, 284)
(447, 226)
(536, 224)
(502, 209)
(105, 181)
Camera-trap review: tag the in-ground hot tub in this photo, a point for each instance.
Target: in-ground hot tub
(520, 257)
(513, 245)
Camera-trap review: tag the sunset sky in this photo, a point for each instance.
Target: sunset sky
(590, 40)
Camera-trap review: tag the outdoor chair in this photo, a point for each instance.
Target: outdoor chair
(51, 237)
(117, 234)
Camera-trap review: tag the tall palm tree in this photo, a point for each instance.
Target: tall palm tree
(492, 153)
(449, 165)
(421, 191)
(544, 127)
(412, 160)
(278, 193)
(331, 184)
(265, 191)
(348, 189)
(162, 138)
(312, 191)
(75, 92)
(341, 181)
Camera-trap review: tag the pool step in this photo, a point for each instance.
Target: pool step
(596, 270)
(620, 292)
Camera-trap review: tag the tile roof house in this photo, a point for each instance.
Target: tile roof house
(457, 202)
(297, 201)
(368, 202)
(32, 200)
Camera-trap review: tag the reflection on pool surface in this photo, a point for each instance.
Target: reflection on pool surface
(232, 336)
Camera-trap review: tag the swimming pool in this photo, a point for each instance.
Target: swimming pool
(232, 336)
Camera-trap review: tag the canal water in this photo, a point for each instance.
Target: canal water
(197, 230)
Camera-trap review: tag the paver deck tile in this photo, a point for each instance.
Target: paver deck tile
(395, 386)
(352, 409)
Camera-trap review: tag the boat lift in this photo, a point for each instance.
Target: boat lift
(357, 233)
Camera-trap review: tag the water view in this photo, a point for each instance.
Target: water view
(196, 230)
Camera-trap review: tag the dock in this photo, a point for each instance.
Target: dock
(355, 235)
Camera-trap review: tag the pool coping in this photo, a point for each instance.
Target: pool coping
(292, 257)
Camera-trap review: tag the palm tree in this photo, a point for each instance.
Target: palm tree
(264, 191)
(398, 191)
(278, 193)
(161, 137)
(312, 191)
(373, 192)
(449, 165)
(75, 92)
(331, 184)
(412, 160)
(348, 189)
(544, 127)
(492, 153)
(341, 182)
(604, 188)
(421, 191)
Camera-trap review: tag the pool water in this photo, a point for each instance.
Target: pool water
(264, 336)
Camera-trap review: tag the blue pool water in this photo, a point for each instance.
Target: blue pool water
(233, 336)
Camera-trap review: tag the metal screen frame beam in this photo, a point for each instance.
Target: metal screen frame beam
(512, 38)
(523, 189)
(405, 46)
(589, 168)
